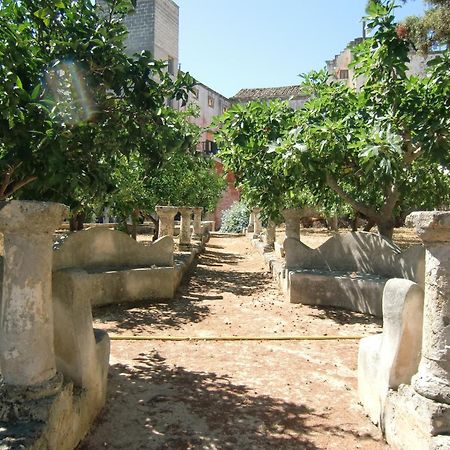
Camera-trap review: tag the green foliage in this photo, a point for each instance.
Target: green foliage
(181, 177)
(247, 139)
(73, 104)
(382, 150)
(430, 30)
(235, 218)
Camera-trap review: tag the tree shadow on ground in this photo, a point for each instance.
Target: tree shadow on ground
(218, 259)
(170, 407)
(138, 316)
(343, 316)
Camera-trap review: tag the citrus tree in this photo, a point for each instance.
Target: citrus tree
(72, 103)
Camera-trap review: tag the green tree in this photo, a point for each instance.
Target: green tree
(430, 30)
(72, 103)
(247, 138)
(383, 149)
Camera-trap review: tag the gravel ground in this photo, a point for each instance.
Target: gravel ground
(232, 394)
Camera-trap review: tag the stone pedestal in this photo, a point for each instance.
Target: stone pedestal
(257, 225)
(269, 237)
(197, 233)
(418, 415)
(433, 378)
(185, 227)
(166, 216)
(292, 220)
(27, 356)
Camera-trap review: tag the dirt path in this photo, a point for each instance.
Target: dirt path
(232, 395)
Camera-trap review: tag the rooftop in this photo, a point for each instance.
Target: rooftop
(283, 92)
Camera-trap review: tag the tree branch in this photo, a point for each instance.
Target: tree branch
(392, 197)
(18, 185)
(411, 153)
(358, 206)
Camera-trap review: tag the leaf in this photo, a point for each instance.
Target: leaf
(36, 91)
(44, 14)
(19, 82)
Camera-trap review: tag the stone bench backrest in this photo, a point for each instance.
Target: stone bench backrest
(359, 252)
(100, 248)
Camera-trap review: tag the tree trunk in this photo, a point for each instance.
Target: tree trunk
(77, 220)
(386, 227)
(370, 224)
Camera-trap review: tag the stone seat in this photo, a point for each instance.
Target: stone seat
(361, 292)
(108, 266)
(389, 359)
(349, 270)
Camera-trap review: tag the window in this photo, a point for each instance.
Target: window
(210, 101)
(343, 74)
(195, 93)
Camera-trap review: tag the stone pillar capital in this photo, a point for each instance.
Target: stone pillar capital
(431, 226)
(18, 216)
(166, 210)
(166, 215)
(292, 213)
(185, 210)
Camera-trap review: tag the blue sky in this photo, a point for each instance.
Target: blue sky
(234, 44)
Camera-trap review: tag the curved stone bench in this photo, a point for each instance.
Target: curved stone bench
(110, 267)
(349, 270)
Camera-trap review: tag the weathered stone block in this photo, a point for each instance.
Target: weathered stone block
(387, 360)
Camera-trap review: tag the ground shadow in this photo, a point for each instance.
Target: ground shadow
(138, 316)
(169, 407)
(218, 259)
(343, 316)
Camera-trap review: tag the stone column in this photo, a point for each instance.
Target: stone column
(292, 220)
(166, 216)
(269, 237)
(197, 233)
(433, 377)
(251, 223)
(185, 227)
(257, 225)
(27, 356)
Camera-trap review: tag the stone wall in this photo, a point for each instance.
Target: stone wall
(141, 26)
(166, 31)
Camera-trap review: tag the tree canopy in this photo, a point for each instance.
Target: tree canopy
(72, 103)
(382, 149)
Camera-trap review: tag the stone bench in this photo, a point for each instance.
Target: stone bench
(110, 267)
(349, 271)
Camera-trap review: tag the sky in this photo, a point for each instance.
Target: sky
(234, 44)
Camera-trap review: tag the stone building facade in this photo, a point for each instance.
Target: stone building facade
(154, 26)
(339, 69)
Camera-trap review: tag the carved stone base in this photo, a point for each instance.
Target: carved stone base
(412, 421)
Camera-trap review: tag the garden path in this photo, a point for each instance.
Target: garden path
(232, 395)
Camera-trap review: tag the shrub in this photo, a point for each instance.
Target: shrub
(235, 219)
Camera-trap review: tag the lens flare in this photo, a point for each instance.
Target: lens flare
(66, 86)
